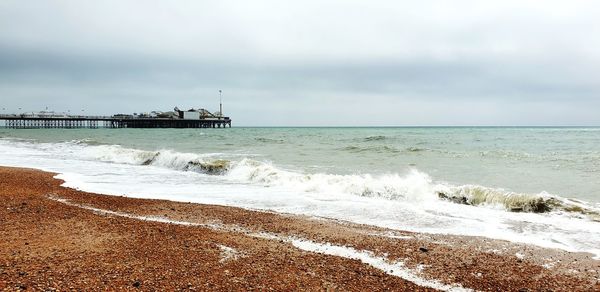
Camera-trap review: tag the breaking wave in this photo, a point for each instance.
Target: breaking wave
(164, 158)
(413, 186)
(515, 202)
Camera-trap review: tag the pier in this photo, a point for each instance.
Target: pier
(183, 120)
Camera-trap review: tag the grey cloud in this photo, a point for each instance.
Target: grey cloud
(509, 62)
(426, 77)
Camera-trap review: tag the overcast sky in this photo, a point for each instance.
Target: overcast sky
(308, 63)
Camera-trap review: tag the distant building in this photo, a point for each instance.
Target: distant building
(194, 114)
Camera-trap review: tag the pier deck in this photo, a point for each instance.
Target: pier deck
(69, 122)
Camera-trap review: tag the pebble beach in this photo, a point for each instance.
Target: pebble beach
(57, 238)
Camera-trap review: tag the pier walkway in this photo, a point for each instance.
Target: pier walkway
(69, 122)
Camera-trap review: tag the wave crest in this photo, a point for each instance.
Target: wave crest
(515, 202)
(218, 166)
(164, 158)
(414, 185)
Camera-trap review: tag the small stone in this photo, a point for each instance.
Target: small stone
(137, 284)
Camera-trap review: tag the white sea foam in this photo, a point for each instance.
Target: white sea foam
(229, 254)
(394, 268)
(413, 186)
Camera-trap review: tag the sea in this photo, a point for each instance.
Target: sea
(531, 185)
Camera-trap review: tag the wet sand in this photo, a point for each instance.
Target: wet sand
(59, 238)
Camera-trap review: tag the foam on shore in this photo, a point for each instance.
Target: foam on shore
(389, 267)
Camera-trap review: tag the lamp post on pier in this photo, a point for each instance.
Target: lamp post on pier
(220, 103)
